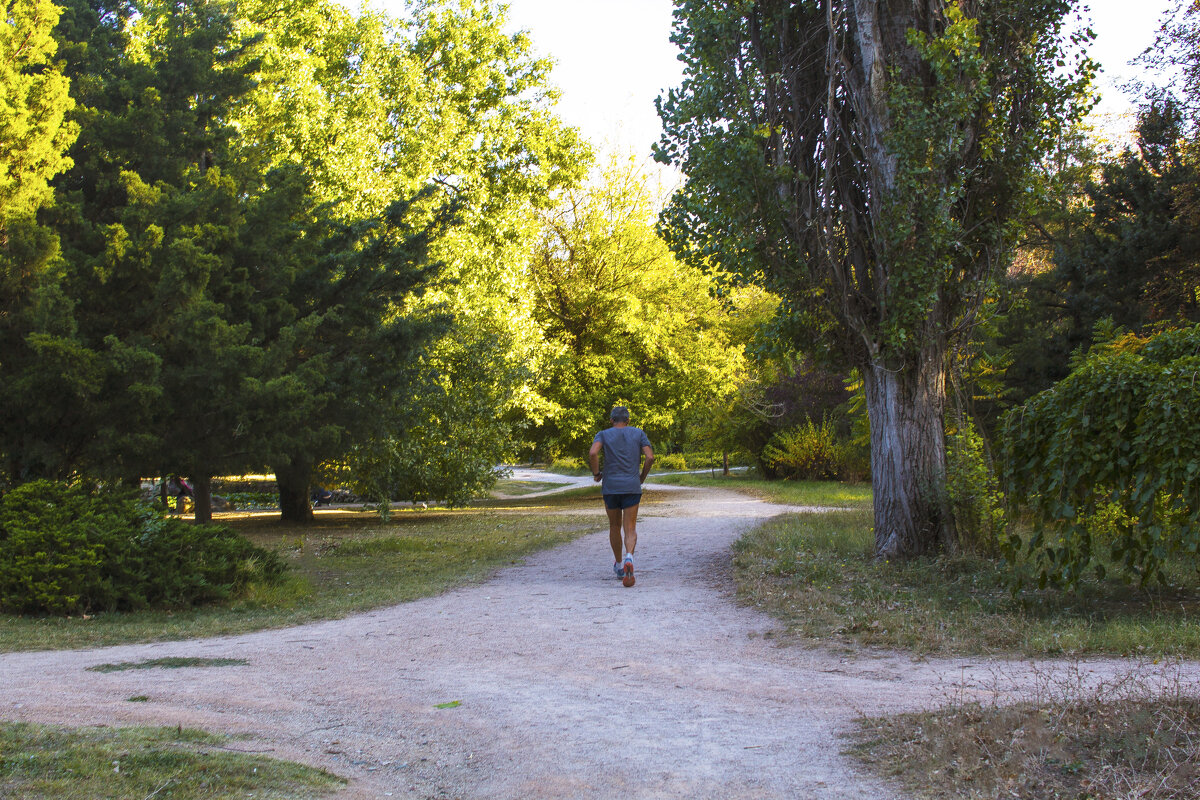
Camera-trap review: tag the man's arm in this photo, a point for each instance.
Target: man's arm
(594, 460)
(648, 453)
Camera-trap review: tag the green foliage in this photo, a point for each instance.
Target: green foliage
(979, 506)
(631, 325)
(871, 171)
(1122, 430)
(814, 451)
(670, 461)
(1123, 251)
(377, 108)
(34, 136)
(33, 131)
(64, 551)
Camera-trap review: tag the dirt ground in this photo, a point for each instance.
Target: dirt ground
(565, 683)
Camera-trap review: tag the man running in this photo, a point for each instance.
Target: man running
(623, 450)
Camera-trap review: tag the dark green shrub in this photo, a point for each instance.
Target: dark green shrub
(64, 550)
(1113, 449)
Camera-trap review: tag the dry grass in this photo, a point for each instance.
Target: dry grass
(1120, 739)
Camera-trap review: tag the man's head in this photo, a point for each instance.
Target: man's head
(619, 414)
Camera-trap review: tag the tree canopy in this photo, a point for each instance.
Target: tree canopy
(631, 324)
(287, 230)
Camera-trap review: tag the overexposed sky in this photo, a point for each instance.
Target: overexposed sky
(614, 57)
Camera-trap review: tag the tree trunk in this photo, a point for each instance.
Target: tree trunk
(908, 457)
(725, 463)
(202, 498)
(294, 479)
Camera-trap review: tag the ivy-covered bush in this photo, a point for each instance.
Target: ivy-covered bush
(64, 550)
(1117, 442)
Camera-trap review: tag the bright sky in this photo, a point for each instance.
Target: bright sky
(614, 57)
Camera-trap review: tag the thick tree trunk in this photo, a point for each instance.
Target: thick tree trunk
(908, 457)
(202, 491)
(294, 479)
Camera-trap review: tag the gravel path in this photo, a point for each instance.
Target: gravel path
(567, 684)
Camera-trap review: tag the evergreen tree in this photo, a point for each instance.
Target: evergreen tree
(35, 325)
(1127, 260)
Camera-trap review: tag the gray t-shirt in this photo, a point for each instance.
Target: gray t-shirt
(622, 459)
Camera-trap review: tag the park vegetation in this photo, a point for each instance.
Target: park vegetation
(362, 250)
(278, 236)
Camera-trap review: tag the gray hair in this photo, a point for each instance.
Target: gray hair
(619, 414)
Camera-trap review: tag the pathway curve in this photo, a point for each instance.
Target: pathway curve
(568, 685)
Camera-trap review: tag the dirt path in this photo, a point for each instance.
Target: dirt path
(568, 685)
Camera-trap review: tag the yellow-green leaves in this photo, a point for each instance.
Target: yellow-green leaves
(34, 101)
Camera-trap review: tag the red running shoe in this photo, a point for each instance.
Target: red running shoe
(627, 581)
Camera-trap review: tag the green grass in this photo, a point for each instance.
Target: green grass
(792, 493)
(345, 562)
(49, 762)
(815, 573)
(170, 663)
(513, 488)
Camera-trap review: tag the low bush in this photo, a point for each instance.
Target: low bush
(671, 461)
(974, 492)
(569, 466)
(813, 452)
(64, 550)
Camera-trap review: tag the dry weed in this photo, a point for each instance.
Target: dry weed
(1133, 734)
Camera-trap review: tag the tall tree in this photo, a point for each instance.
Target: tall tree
(633, 325)
(378, 108)
(34, 133)
(149, 222)
(34, 136)
(869, 161)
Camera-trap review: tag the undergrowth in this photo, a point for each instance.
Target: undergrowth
(1126, 737)
(816, 574)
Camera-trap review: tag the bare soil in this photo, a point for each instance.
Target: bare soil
(557, 681)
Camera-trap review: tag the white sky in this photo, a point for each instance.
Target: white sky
(614, 57)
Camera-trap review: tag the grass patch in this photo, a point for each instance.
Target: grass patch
(1117, 740)
(512, 488)
(792, 493)
(170, 663)
(343, 563)
(51, 762)
(815, 573)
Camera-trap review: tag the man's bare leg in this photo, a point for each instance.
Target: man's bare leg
(629, 523)
(614, 531)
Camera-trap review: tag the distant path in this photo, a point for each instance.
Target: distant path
(570, 686)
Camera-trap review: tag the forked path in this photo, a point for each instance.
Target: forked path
(566, 684)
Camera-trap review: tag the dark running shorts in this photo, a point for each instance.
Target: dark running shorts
(622, 501)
